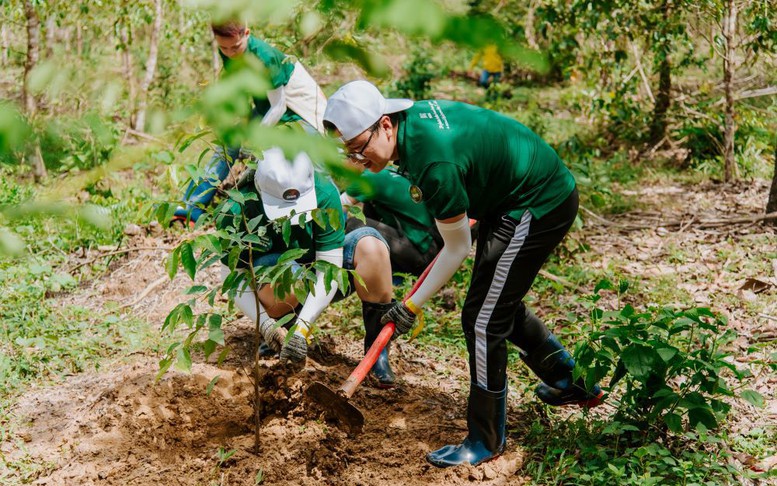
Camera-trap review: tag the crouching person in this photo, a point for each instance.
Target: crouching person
(282, 186)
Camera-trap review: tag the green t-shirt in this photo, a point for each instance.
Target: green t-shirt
(467, 159)
(279, 69)
(389, 193)
(310, 237)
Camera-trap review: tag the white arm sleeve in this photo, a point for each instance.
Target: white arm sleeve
(277, 99)
(316, 301)
(457, 242)
(347, 200)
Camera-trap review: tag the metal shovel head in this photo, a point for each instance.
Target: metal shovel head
(337, 406)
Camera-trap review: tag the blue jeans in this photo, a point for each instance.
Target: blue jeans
(201, 192)
(484, 78)
(349, 250)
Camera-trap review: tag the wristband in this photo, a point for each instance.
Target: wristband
(418, 312)
(413, 308)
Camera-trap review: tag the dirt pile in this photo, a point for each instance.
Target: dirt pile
(120, 427)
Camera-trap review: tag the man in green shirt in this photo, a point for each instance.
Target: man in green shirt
(294, 97)
(405, 224)
(469, 161)
(280, 186)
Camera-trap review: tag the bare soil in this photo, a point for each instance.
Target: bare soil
(119, 426)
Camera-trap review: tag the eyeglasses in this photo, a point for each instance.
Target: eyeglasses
(360, 154)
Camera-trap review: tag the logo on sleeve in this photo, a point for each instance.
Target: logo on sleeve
(416, 194)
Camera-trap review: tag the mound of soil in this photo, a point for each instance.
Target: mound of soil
(121, 427)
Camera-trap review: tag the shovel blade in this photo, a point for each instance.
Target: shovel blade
(336, 406)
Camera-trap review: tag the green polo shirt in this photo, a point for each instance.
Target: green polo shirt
(279, 69)
(467, 159)
(389, 193)
(310, 237)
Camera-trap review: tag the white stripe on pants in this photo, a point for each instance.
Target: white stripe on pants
(494, 291)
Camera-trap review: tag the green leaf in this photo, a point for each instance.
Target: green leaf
(188, 260)
(674, 422)
(703, 416)
(172, 263)
(291, 255)
(183, 360)
(236, 196)
(208, 347)
(196, 289)
(754, 398)
(335, 218)
(216, 335)
(640, 360)
(287, 232)
(319, 218)
(667, 353)
(212, 384)
(603, 285)
(254, 222)
(339, 50)
(191, 140)
(164, 365)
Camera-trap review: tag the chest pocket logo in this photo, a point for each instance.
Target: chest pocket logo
(416, 194)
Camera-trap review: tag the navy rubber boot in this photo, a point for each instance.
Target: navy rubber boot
(381, 370)
(486, 424)
(553, 364)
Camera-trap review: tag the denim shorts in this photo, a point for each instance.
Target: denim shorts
(352, 239)
(349, 249)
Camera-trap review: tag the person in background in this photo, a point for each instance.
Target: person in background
(465, 161)
(404, 223)
(295, 98)
(493, 65)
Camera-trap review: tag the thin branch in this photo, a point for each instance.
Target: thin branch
(156, 283)
(642, 74)
(119, 252)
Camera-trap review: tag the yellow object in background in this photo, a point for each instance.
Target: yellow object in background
(492, 61)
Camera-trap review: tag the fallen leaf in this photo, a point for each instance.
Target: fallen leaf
(754, 285)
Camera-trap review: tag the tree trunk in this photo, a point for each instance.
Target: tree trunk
(79, 40)
(51, 36)
(729, 66)
(528, 26)
(153, 54)
(33, 53)
(216, 59)
(771, 205)
(126, 61)
(38, 166)
(5, 44)
(658, 126)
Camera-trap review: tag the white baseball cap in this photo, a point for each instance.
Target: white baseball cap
(285, 186)
(357, 105)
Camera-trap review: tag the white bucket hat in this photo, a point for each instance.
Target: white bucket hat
(285, 186)
(357, 105)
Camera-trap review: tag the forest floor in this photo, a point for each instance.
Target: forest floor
(116, 425)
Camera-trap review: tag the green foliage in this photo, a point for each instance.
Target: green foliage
(416, 83)
(597, 452)
(671, 364)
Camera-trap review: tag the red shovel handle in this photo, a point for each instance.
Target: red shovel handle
(358, 375)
